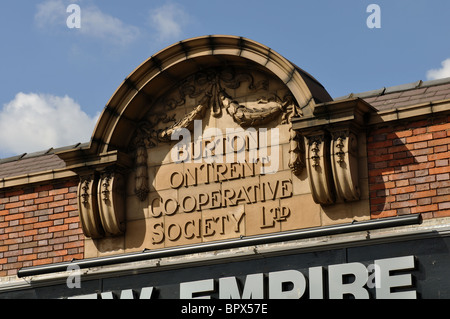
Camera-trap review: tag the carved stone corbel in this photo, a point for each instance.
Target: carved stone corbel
(88, 206)
(111, 202)
(344, 120)
(319, 171)
(344, 162)
(101, 204)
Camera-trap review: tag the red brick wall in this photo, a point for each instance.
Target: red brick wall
(39, 225)
(409, 168)
(409, 172)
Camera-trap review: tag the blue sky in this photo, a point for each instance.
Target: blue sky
(56, 80)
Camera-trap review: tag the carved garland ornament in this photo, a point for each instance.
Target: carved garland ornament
(210, 88)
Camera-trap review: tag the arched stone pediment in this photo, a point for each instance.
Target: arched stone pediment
(138, 172)
(170, 66)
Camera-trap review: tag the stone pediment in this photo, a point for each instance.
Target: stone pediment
(215, 138)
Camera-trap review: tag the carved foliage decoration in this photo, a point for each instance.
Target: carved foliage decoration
(296, 152)
(141, 179)
(213, 88)
(210, 87)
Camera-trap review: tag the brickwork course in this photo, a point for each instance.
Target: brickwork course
(407, 164)
(409, 168)
(39, 225)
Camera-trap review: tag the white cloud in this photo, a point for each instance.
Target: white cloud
(443, 72)
(169, 21)
(95, 24)
(34, 122)
(51, 13)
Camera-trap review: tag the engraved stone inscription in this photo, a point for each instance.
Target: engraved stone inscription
(215, 188)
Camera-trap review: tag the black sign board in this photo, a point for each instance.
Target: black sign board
(411, 268)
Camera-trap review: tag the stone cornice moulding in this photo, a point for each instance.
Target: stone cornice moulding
(353, 111)
(38, 177)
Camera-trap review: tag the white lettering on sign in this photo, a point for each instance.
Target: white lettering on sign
(388, 283)
(253, 289)
(344, 280)
(292, 284)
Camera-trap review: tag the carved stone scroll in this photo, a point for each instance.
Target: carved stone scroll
(101, 204)
(319, 171)
(111, 202)
(345, 121)
(344, 161)
(88, 206)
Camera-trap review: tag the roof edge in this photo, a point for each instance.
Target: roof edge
(396, 88)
